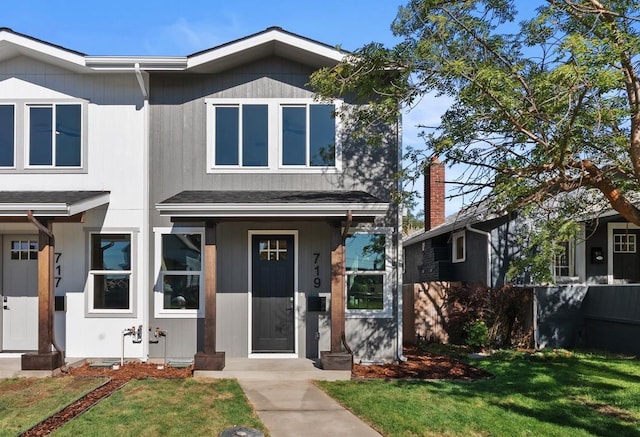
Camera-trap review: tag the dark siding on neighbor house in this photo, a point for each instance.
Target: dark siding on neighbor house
(602, 317)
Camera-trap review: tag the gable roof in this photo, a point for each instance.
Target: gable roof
(273, 41)
(14, 44)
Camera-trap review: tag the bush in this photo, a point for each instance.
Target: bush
(477, 335)
(506, 313)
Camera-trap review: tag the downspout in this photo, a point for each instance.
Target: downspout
(488, 236)
(399, 266)
(145, 201)
(49, 234)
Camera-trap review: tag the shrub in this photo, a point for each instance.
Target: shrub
(477, 335)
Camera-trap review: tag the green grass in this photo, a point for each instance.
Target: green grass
(555, 394)
(25, 402)
(162, 407)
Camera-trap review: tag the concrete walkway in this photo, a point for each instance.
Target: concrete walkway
(287, 401)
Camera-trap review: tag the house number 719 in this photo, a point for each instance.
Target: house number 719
(316, 267)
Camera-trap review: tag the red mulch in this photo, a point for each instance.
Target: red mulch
(420, 365)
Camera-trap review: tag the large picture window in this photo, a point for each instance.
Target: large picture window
(271, 135)
(180, 280)
(110, 274)
(367, 270)
(55, 135)
(7, 136)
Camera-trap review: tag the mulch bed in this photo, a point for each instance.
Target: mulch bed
(420, 365)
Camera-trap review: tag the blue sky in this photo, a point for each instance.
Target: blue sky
(161, 27)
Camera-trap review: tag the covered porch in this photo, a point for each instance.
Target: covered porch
(340, 211)
(35, 212)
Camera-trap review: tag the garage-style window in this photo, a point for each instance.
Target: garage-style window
(55, 135)
(367, 271)
(110, 285)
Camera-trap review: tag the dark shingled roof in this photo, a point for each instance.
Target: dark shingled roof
(230, 197)
(41, 197)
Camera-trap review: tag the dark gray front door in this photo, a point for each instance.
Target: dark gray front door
(272, 294)
(626, 259)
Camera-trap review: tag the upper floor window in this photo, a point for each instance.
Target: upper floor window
(367, 272)
(43, 137)
(7, 136)
(55, 135)
(271, 135)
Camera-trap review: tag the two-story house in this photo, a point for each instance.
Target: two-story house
(210, 200)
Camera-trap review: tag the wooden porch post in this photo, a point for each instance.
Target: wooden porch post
(45, 358)
(337, 358)
(209, 358)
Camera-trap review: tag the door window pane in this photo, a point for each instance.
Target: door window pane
(227, 135)
(40, 136)
(68, 135)
(322, 135)
(7, 132)
(294, 135)
(255, 135)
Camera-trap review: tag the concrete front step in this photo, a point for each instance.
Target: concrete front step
(283, 369)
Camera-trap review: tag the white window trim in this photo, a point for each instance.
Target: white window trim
(27, 139)
(454, 238)
(387, 300)
(158, 293)
(15, 136)
(571, 258)
(296, 308)
(91, 273)
(274, 123)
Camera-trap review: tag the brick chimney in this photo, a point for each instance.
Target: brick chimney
(433, 194)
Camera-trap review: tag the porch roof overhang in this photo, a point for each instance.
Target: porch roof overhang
(273, 204)
(50, 203)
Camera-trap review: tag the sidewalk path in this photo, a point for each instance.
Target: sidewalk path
(299, 408)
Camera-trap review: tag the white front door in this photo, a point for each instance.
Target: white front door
(20, 292)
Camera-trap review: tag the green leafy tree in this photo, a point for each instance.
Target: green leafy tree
(545, 112)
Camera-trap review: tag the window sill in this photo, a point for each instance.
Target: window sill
(368, 314)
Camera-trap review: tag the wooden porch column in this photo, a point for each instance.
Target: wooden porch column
(337, 289)
(337, 358)
(209, 358)
(45, 358)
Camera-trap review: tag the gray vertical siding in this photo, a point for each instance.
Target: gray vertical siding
(178, 162)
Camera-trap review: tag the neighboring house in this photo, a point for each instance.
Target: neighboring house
(477, 246)
(209, 198)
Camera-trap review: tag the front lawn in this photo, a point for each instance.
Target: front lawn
(168, 407)
(552, 394)
(25, 402)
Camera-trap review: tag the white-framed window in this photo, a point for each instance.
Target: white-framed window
(563, 265)
(624, 243)
(179, 289)
(24, 250)
(110, 274)
(458, 247)
(272, 135)
(7, 136)
(368, 269)
(54, 135)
